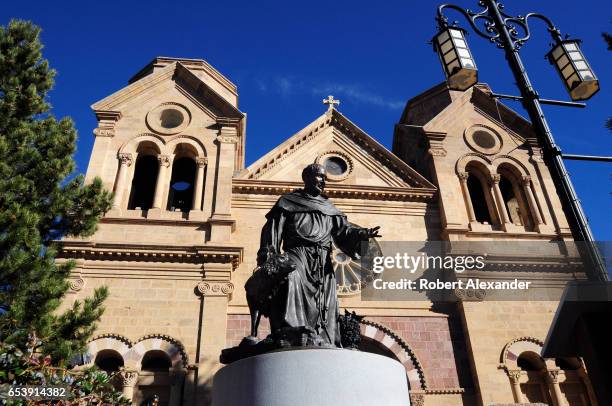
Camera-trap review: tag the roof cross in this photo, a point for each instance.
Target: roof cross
(331, 101)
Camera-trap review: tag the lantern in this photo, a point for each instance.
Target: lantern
(456, 58)
(579, 79)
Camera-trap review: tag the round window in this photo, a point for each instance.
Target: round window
(335, 166)
(483, 139)
(170, 118)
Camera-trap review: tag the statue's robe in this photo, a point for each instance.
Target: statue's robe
(305, 226)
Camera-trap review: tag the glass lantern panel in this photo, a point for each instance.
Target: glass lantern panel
(571, 46)
(571, 80)
(557, 52)
(456, 33)
(575, 56)
(452, 66)
(449, 56)
(586, 75)
(442, 37)
(460, 43)
(568, 70)
(581, 65)
(463, 53)
(564, 60)
(444, 48)
(467, 63)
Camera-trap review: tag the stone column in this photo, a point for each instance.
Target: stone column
(515, 377)
(128, 382)
(533, 207)
(215, 296)
(221, 221)
(552, 377)
(177, 378)
(199, 183)
(463, 177)
(125, 161)
(498, 198)
(161, 184)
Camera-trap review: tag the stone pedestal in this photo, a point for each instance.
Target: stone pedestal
(312, 377)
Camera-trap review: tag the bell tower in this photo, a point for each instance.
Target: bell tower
(167, 145)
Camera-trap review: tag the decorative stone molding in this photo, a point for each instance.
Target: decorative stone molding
(470, 295)
(106, 123)
(128, 378)
(445, 391)
(210, 288)
(164, 160)
(249, 186)
(125, 158)
(483, 139)
(104, 132)
(514, 375)
(553, 375)
(414, 368)
(76, 284)
(463, 176)
(506, 351)
(201, 162)
(227, 139)
(526, 179)
(441, 152)
(169, 345)
(495, 178)
(417, 399)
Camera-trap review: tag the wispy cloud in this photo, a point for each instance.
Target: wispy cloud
(350, 93)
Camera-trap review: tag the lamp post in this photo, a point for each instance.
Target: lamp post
(510, 33)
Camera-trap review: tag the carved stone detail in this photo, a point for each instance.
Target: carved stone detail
(104, 132)
(474, 295)
(463, 176)
(526, 180)
(437, 152)
(202, 162)
(125, 158)
(227, 139)
(514, 375)
(76, 284)
(164, 160)
(211, 288)
(553, 375)
(495, 178)
(417, 399)
(128, 378)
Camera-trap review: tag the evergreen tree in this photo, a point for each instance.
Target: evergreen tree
(40, 202)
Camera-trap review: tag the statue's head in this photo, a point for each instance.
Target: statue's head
(314, 177)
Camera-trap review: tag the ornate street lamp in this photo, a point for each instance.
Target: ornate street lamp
(510, 33)
(456, 58)
(577, 75)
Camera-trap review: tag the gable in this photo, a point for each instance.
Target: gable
(368, 164)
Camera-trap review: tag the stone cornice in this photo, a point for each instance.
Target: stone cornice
(262, 187)
(150, 252)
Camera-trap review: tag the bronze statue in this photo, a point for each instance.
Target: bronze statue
(303, 306)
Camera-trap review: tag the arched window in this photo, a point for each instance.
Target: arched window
(535, 388)
(143, 185)
(154, 379)
(109, 361)
(478, 198)
(180, 197)
(156, 361)
(515, 202)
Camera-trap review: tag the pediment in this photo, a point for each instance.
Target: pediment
(185, 81)
(368, 163)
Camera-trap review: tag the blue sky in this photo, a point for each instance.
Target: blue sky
(285, 58)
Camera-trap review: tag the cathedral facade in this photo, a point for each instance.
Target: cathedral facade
(182, 236)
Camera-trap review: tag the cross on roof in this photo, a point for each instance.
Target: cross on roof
(331, 101)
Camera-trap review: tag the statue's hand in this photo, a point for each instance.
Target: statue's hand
(371, 232)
